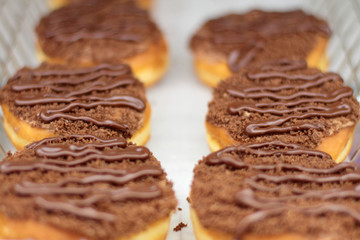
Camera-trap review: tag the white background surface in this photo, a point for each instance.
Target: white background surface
(179, 101)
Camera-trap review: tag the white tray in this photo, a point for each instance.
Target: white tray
(179, 102)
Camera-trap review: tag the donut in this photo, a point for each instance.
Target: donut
(95, 32)
(224, 45)
(55, 100)
(84, 187)
(274, 190)
(143, 4)
(283, 100)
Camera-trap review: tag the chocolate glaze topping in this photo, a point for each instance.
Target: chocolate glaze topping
(72, 89)
(49, 154)
(295, 94)
(304, 112)
(107, 31)
(244, 37)
(83, 186)
(253, 148)
(277, 181)
(97, 20)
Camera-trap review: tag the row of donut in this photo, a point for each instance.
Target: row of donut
(280, 129)
(77, 176)
(82, 179)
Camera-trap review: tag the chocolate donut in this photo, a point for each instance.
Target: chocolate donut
(95, 32)
(284, 100)
(274, 190)
(54, 100)
(84, 187)
(224, 45)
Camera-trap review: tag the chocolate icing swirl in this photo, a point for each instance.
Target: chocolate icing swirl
(263, 192)
(222, 156)
(54, 155)
(300, 104)
(76, 89)
(245, 36)
(92, 20)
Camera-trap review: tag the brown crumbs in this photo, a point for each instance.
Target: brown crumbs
(180, 226)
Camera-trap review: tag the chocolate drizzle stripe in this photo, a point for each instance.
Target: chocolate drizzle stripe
(93, 195)
(316, 96)
(86, 212)
(353, 177)
(120, 142)
(102, 123)
(284, 65)
(292, 167)
(97, 178)
(284, 166)
(93, 84)
(97, 85)
(132, 153)
(222, 156)
(244, 197)
(296, 191)
(313, 83)
(238, 107)
(82, 207)
(121, 69)
(269, 126)
(273, 143)
(278, 74)
(219, 159)
(8, 167)
(126, 102)
(102, 86)
(139, 193)
(127, 79)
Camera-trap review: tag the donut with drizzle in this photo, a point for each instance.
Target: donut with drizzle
(223, 46)
(51, 100)
(84, 187)
(274, 190)
(88, 33)
(285, 100)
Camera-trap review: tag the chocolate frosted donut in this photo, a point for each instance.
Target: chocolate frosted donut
(275, 190)
(225, 45)
(84, 187)
(284, 100)
(54, 100)
(94, 32)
